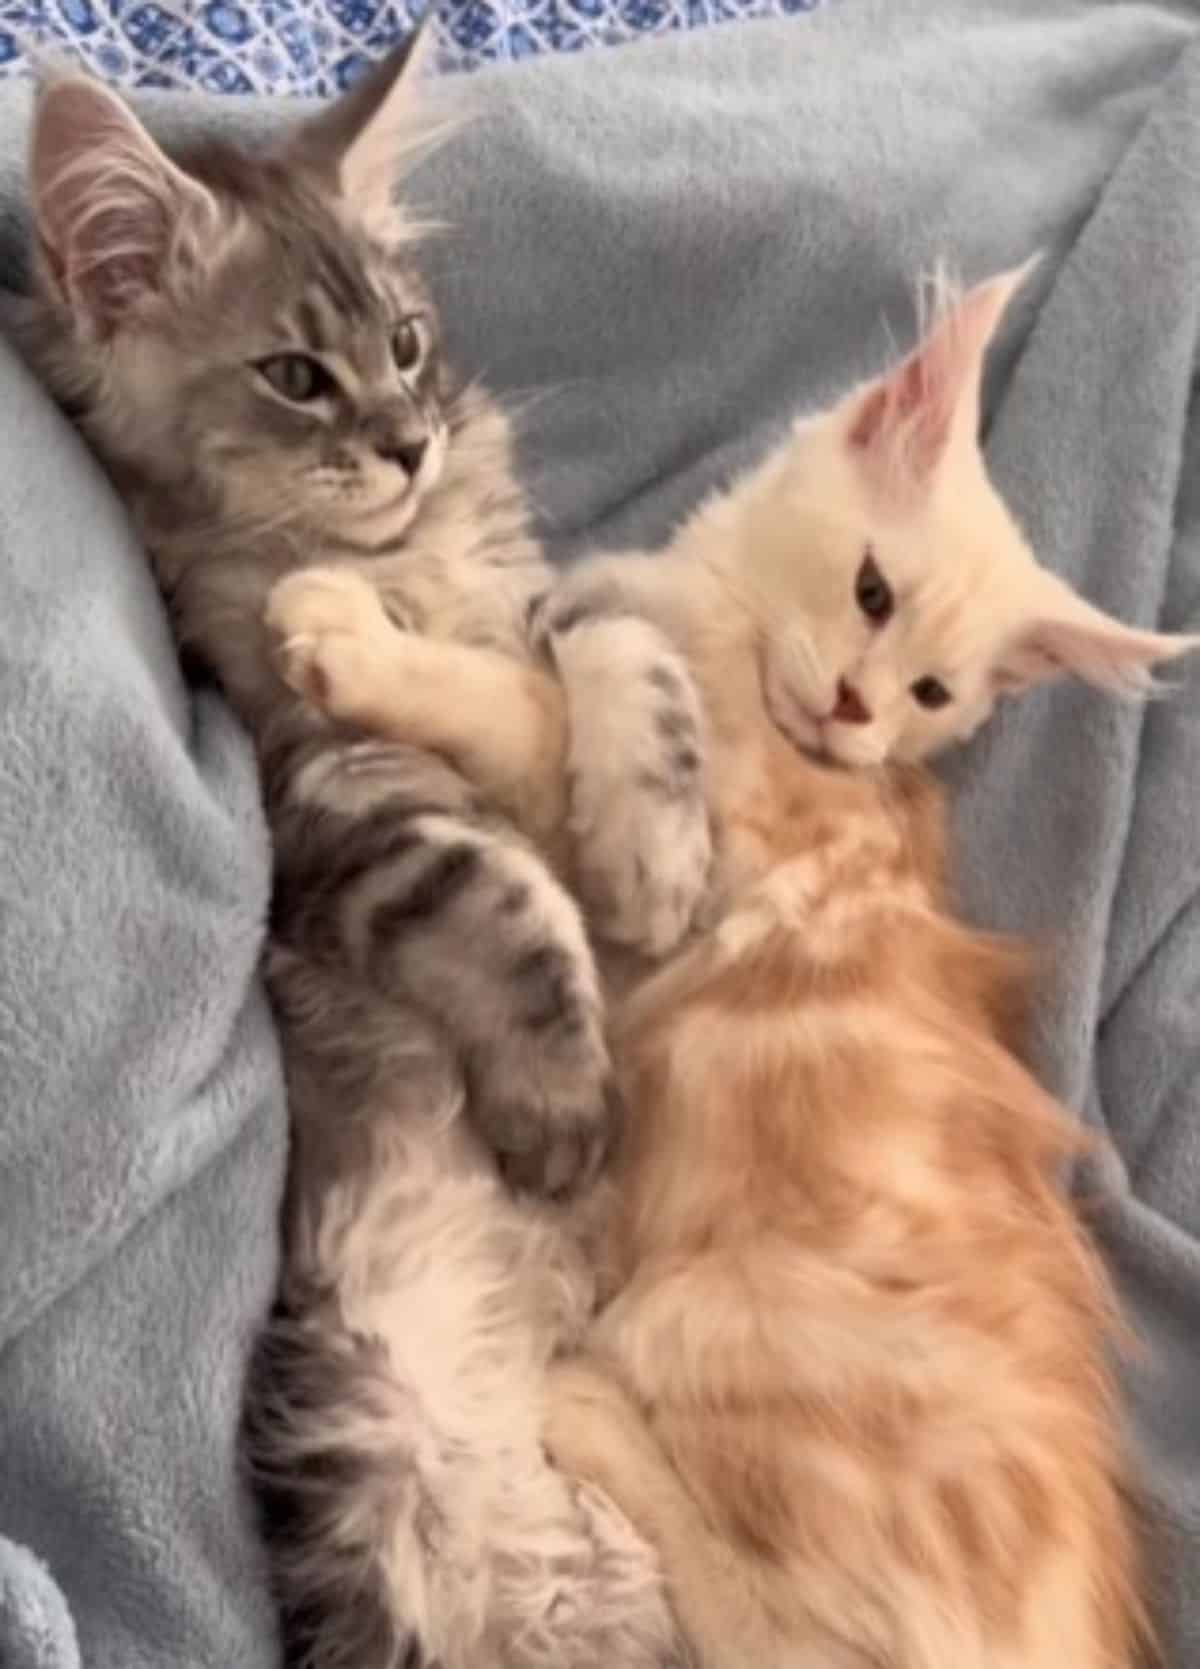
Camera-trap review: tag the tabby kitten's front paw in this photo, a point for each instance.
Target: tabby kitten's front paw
(331, 632)
(639, 814)
(647, 863)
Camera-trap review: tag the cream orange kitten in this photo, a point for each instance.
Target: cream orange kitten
(851, 1378)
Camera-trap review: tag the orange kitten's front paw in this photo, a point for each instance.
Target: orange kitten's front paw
(330, 629)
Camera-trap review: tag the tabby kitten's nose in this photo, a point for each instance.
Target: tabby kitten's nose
(850, 708)
(406, 453)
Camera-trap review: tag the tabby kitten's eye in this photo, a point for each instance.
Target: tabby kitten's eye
(406, 345)
(931, 693)
(872, 592)
(296, 377)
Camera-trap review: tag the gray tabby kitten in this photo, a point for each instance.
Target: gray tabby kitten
(247, 346)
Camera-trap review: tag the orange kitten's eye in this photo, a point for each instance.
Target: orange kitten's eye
(872, 592)
(931, 693)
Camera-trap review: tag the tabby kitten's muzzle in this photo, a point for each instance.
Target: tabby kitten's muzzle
(401, 437)
(407, 454)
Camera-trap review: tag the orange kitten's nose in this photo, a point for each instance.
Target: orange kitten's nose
(850, 707)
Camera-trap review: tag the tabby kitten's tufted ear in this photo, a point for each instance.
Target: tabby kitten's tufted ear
(112, 212)
(358, 143)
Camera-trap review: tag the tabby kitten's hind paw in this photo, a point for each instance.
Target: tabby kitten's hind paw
(550, 1132)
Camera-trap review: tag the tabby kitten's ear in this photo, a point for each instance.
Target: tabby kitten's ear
(113, 214)
(901, 427)
(358, 143)
(1063, 636)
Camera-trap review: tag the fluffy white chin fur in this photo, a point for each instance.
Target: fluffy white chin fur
(854, 748)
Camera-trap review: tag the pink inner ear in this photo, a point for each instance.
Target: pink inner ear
(1026, 663)
(910, 385)
(904, 422)
(889, 404)
(870, 419)
(905, 419)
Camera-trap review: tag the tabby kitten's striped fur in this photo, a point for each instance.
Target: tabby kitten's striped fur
(247, 345)
(852, 1376)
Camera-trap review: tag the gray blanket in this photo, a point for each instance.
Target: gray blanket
(672, 247)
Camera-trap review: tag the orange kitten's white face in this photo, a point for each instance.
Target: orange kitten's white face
(895, 596)
(875, 648)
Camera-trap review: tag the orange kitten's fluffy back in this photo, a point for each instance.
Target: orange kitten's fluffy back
(855, 1385)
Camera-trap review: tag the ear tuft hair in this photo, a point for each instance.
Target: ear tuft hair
(360, 144)
(901, 426)
(110, 207)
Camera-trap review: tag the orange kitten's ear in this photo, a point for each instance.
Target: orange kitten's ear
(110, 209)
(1065, 637)
(900, 427)
(359, 142)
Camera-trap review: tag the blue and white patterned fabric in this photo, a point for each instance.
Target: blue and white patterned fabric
(317, 46)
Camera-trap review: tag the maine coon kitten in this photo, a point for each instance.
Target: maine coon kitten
(852, 1377)
(247, 345)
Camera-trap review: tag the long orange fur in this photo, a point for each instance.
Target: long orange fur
(855, 1382)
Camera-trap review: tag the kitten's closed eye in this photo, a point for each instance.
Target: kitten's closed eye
(872, 592)
(296, 377)
(930, 692)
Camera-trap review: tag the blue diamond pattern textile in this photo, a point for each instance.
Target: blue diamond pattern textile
(317, 47)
